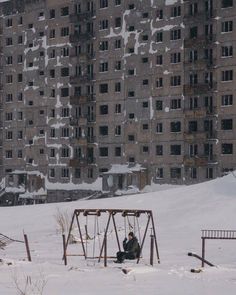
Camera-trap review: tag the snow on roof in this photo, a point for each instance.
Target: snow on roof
(124, 169)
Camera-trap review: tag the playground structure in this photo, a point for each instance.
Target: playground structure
(5, 241)
(212, 234)
(111, 216)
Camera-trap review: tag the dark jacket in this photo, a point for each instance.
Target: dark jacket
(131, 246)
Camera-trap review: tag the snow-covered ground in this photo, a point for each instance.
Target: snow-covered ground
(180, 214)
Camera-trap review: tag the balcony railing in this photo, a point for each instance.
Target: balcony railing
(80, 37)
(82, 16)
(195, 136)
(198, 160)
(195, 113)
(199, 41)
(199, 88)
(82, 78)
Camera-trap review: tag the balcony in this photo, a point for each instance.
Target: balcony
(211, 111)
(81, 78)
(199, 41)
(211, 135)
(80, 37)
(74, 121)
(82, 16)
(196, 161)
(91, 118)
(91, 160)
(195, 136)
(195, 89)
(91, 139)
(195, 113)
(78, 162)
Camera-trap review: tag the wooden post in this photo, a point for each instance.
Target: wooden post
(155, 238)
(105, 250)
(64, 249)
(151, 249)
(144, 236)
(203, 251)
(27, 247)
(105, 236)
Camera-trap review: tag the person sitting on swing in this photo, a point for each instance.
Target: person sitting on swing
(131, 249)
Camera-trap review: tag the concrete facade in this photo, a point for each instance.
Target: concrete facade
(89, 84)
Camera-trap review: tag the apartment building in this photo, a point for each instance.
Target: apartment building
(89, 85)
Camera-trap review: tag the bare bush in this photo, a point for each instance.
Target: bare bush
(29, 286)
(63, 221)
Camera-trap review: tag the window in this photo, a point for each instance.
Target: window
(159, 150)
(9, 154)
(118, 108)
(131, 50)
(145, 149)
(64, 72)
(131, 28)
(193, 172)
(159, 37)
(175, 149)
(53, 92)
(9, 22)
(175, 80)
(52, 153)
(227, 75)
(145, 37)
(159, 173)
(9, 97)
(64, 92)
(227, 51)
(193, 103)
(159, 13)
(20, 20)
(103, 45)
(52, 73)
(9, 79)
(193, 9)
(65, 51)
(159, 82)
(193, 55)
(117, 22)
(192, 126)
(131, 116)
(209, 173)
(145, 126)
(52, 53)
(175, 104)
(103, 130)
(41, 151)
(19, 78)
(103, 3)
(227, 100)
(19, 154)
(20, 116)
(20, 39)
(104, 109)
(9, 135)
(145, 82)
(159, 128)
(65, 172)
(117, 87)
(193, 32)
(227, 148)
(20, 96)
(65, 11)
(175, 57)
(131, 6)
(131, 137)
(175, 173)
(117, 151)
(144, 60)
(145, 104)
(52, 132)
(65, 112)
(131, 72)
(30, 26)
(227, 26)
(9, 60)
(117, 2)
(9, 41)
(65, 31)
(19, 59)
(103, 151)
(117, 65)
(175, 11)
(226, 124)
(65, 152)
(145, 15)
(175, 34)
(65, 132)
(159, 105)
(52, 34)
(103, 24)
(226, 3)
(117, 130)
(103, 88)
(52, 13)
(193, 79)
(175, 126)
(117, 43)
(131, 93)
(159, 60)
(77, 173)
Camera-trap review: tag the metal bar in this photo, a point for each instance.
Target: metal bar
(64, 249)
(155, 238)
(105, 234)
(203, 251)
(144, 236)
(105, 250)
(151, 249)
(81, 237)
(117, 237)
(27, 247)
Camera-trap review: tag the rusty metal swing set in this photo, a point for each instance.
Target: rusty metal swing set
(125, 213)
